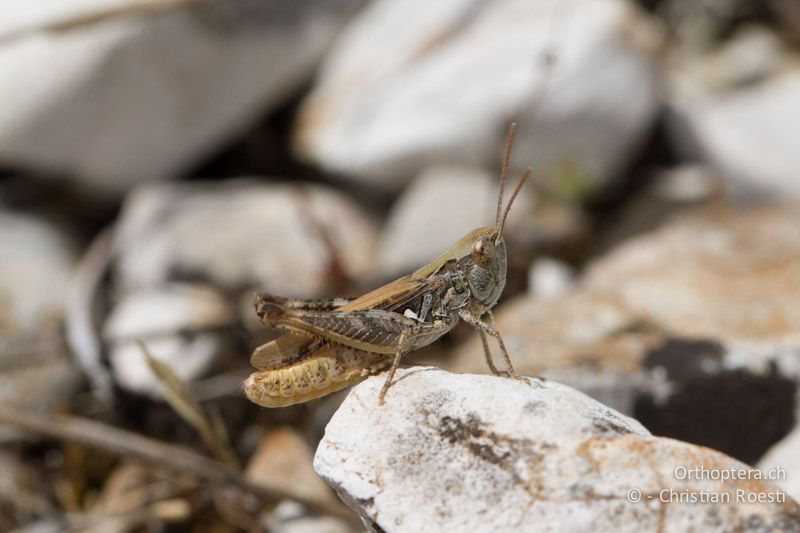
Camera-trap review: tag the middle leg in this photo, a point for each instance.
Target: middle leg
(488, 354)
(403, 345)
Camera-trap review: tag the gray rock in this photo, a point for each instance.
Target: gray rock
(114, 93)
(692, 329)
(394, 98)
(479, 453)
(287, 239)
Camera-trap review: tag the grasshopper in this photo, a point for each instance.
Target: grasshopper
(331, 344)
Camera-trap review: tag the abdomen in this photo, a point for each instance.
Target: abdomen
(330, 368)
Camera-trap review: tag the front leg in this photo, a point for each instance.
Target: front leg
(483, 327)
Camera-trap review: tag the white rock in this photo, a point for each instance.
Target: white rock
(689, 183)
(751, 54)
(479, 453)
(395, 97)
(36, 262)
(176, 324)
(442, 205)
(549, 278)
(782, 462)
(119, 91)
(167, 309)
(292, 517)
(735, 131)
(289, 240)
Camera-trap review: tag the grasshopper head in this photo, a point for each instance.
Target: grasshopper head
(486, 273)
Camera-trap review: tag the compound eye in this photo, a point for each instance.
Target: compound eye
(483, 252)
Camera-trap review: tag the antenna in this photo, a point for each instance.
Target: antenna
(511, 201)
(504, 173)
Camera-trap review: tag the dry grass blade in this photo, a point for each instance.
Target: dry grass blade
(217, 425)
(95, 434)
(180, 398)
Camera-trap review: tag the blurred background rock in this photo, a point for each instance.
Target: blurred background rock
(160, 160)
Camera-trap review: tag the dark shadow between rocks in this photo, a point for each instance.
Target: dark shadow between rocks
(735, 411)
